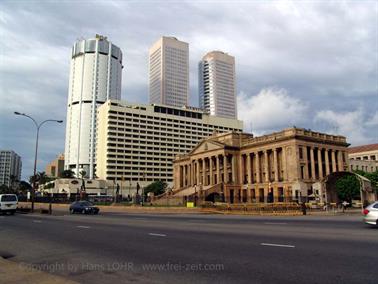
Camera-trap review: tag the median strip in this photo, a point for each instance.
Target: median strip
(277, 245)
(157, 235)
(83, 227)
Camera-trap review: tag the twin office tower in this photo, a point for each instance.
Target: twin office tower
(169, 78)
(96, 74)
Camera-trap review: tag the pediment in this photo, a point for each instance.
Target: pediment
(207, 145)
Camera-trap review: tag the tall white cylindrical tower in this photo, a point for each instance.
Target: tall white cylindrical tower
(95, 76)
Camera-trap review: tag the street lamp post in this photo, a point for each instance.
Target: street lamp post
(38, 126)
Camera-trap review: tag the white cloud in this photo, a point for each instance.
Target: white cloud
(373, 121)
(271, 109)
(352, 124)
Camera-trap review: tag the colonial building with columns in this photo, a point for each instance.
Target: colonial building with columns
(282, 166)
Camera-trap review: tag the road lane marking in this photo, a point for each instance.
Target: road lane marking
(83, 227)
(157, 235)
(275, 223)
(277, 245)
(37, 221)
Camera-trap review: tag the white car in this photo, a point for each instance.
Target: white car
(8, 203)
(371, 214)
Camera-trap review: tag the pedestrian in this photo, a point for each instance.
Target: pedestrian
(304, 209)
(345, 204)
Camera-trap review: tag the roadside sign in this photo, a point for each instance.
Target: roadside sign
(189, 204)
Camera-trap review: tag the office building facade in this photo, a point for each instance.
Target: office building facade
(137, 143)
(56, 167)
(364, 158)
(216, 83)
(169, 72)
(10, 167)
(95, 76)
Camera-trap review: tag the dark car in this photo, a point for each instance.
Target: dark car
(83, 207)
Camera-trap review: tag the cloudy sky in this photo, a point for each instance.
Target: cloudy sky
(312, 64)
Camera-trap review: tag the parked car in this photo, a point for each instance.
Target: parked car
(84, 207)
(8, 203)
(371, 214)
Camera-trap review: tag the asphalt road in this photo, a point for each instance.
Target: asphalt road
(143, 248)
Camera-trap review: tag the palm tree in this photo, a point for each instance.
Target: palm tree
(83, 174)
(68, 174)
(13, 179)
(42, 178)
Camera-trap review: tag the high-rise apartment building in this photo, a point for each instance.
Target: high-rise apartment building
(217, 90)
(138, 143)
(10, 167)
(95, 76)
(169, 72)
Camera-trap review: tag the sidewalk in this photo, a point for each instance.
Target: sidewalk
(117, 208)
(12, 272)
(58, 209)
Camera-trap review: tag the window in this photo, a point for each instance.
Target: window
(300, 153)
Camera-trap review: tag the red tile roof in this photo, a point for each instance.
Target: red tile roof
(363, 148)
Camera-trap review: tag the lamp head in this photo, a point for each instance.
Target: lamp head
(59, 121)
(17, 113)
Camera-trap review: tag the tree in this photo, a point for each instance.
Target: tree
(68, 174)
(373, 177)
(13, 180)
(24, 187)
(5, 189)
(157, 187)
(40, 178)
(83, 174)
(348, 188)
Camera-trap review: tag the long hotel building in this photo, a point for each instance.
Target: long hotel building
(138, 143)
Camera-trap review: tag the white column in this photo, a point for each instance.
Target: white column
(320, 163)
(312, 163)
(258, 175)
(203, 171)
(275, 165)
(233, 172)
(211, 170)
(266, 166)
(326, 162)
(225, 172)
(218, 169)
(249, 171)
(333, 156)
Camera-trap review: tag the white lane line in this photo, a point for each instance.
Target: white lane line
(277, 245)
(157, 235)
(83, 227)
(275, 223)
(37, 221)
